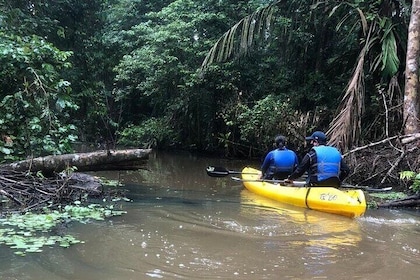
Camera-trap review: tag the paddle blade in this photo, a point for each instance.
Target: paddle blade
(214, 171)
(218, 171)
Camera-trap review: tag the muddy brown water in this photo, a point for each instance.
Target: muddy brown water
(183, 224)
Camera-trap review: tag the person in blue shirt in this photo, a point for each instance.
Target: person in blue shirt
(280, 162)
(324, 164)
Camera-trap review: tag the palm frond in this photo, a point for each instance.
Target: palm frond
(241, 37)
(346, 126)
(390, 60)
(387, 61)
(363, 20)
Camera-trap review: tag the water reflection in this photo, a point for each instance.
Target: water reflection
(318, 235)
(320, 238)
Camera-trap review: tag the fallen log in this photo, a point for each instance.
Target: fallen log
(26, 191)
(129, 159)
(405, 139)
(410, 201)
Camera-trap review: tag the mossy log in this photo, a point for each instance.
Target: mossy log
(129, 159)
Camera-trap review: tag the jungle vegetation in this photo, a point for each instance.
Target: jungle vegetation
(210, 76)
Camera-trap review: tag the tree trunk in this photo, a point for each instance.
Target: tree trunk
(411, 201)
(412, 95)
(130, 159)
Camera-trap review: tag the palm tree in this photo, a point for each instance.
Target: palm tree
(380, 53)
(378, 26)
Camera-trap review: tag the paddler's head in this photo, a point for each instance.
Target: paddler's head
(280, 141)
(317, 138)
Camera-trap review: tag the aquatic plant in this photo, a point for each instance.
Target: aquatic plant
(30, 232)
(411, 175)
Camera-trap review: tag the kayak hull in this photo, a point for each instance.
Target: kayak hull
(350, 203)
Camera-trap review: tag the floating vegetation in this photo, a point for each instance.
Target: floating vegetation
(376, 199)
(389, 196)
(39, 216)
(30, 232)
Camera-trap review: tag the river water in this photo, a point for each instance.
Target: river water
(183, 224)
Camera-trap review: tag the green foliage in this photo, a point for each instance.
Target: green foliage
(160, 72)
(389, 55)
(387, 29)
(151, 133)
(34, 102)
(389, 196)
(135, 59)
(257, 123)
(412, 176)
(378, 198)
(30, 232)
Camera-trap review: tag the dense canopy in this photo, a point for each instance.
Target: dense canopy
(209, 76)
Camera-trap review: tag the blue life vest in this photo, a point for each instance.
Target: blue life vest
(328, 162)
(283, 161)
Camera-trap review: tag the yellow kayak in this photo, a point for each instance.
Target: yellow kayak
(349, 203)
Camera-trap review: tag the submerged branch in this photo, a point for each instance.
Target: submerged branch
(22, 191)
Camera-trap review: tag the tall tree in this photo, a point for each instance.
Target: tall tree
(412, 86)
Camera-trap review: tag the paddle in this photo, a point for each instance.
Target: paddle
(217, 171)
(366, 188)
(295, 183)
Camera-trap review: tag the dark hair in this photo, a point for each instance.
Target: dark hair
(280, 141)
